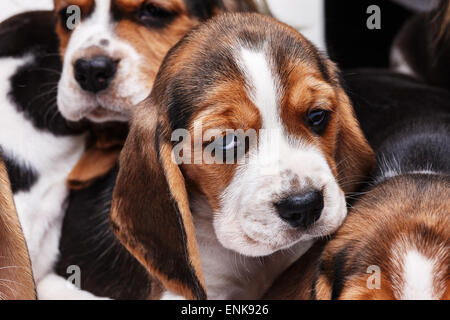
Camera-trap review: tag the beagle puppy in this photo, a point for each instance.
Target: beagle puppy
(110, 60)
(16, 278)
(111, 51)
(421, 48)
(395, 241)
(112, 55)
(237, 210)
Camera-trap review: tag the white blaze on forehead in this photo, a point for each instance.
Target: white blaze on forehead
(263, 86)
(263, 89)
(418, 277)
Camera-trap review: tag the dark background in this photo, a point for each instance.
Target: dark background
(350, 43)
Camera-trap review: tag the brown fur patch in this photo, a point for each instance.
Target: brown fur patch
(64, 36)
(16, 278)
(153, 45)
(409, 212)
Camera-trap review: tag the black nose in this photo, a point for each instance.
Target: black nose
(301, 210)
(95, 74)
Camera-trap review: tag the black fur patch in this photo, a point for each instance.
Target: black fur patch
(88, 241)
(22, 177)
(203, 9)
(339, 273)
(415, 119)
(34, 86)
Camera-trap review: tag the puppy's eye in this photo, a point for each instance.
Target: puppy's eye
(230, 141)
(229, 148)
(317, 120)
(152, 15)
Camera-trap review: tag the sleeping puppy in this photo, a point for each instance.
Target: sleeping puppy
(238, 161)
(16, 277)
(422, 48)
(395, 242)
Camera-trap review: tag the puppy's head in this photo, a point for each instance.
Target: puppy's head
(248, 115)
(394, 245)
(113, 50)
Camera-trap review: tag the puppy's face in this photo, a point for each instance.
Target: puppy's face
(282, 117)
(112, 55)
(267, 135)
(394, 245)
(270, 105)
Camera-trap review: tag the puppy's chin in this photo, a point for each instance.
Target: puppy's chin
(102, 115)
(246, 246)
(232, 237)
(77, 107)
(110, 105)
(94, 114)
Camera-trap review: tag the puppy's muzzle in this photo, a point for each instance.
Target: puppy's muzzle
(301, 210)
(96, 74)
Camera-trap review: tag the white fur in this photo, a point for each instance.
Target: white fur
(230, 275)
(128, 87)
(41, 209)
(418, 277)
(248, 202)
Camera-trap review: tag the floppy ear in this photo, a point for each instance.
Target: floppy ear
(354, 155)
(15, 265)
(150, 209)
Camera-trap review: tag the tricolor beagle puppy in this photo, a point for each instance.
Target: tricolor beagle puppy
(16, 278)
(40, 147)
(395, 244)
(225, 221)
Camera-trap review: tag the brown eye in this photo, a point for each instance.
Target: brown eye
(317, 120)
(154, 16)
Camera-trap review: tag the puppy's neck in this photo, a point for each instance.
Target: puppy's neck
(228, 274)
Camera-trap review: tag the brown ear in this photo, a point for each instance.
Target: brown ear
(150, 208)
(15, 266)
(355, 158)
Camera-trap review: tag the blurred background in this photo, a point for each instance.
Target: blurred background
(337, 27)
